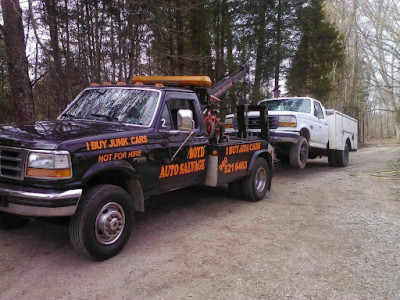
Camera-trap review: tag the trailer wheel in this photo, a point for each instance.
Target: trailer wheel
(255, 186)
(342, 157)
(102, 224)
(235, 189)
(10, 221)
(299, 153)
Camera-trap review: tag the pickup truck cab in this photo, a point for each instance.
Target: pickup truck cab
(113, 147)
(300, 128)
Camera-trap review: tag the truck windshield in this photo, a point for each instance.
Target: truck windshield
(133, 106)
(298, 105)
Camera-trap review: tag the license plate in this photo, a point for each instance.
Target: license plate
(3, 201)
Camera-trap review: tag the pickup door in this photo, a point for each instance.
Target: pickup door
(318, 126)
(189, 166)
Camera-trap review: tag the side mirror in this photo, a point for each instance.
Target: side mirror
(330, 111)
(185, 120)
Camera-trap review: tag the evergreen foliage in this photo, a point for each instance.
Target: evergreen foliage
(320, 50)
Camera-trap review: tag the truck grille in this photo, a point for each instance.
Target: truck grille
(254, 122)
(12, 161)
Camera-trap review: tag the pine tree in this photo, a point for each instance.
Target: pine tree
(319, 51)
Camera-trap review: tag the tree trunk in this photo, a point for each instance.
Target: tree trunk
(17, 62)
(278, 56)
(260, 35)
(56, 53)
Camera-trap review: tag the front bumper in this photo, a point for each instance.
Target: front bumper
(34, 202)
(280, 136)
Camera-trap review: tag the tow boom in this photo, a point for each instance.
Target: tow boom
(228, 81)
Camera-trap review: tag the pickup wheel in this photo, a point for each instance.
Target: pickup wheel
(102, 224)
(342, 157)
(255, 186)
(299, 153)
(10, 221)
(235, 189)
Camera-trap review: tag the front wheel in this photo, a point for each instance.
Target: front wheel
(299, 153)
(255, 186)
(102, 224)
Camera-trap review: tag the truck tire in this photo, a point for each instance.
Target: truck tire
(342, 157)
(10, 221)
(332, 158)
(299, 153)
(235, 189)
(102, 224)
(255, 186)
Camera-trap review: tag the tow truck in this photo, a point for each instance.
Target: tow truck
(112, 148)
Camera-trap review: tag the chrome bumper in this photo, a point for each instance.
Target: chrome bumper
(35, 202)
(280, 136)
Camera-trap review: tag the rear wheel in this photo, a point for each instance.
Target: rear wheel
(342, 157)
(10, 221)
(255, 186)
(299, 153)
(103, 222)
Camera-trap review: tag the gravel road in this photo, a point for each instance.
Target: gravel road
(321, 233)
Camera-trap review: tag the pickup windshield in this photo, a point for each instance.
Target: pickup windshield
(298, 105)
(124, 105)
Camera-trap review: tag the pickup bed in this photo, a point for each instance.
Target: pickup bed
(112, 148)
(301, 128)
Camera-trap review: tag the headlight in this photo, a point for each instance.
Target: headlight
(287, 121)
(228, 123)
(52, 164)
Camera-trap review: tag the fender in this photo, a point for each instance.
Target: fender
(264, 154)
(116, 165)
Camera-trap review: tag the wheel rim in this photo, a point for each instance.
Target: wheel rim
(110, 223)
(261, 179)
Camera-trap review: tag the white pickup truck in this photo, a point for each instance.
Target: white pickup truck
(301, 128)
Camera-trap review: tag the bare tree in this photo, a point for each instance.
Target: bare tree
(379, 30)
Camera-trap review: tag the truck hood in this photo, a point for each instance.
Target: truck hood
(47, 135)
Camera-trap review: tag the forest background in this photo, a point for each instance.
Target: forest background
(343, 52)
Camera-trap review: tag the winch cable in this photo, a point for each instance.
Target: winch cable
(385, 174)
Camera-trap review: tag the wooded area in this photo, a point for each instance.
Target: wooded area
(343, 52)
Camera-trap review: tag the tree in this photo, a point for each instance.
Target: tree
(21, 88)
(319, 51)
(379, 31)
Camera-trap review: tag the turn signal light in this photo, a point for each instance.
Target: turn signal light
(46, 173)
(286, 124)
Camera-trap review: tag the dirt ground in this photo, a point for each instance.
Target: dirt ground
(321, 233)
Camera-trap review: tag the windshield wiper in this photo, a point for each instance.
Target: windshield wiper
(71, 116)
(109, 118)
(103, 116)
